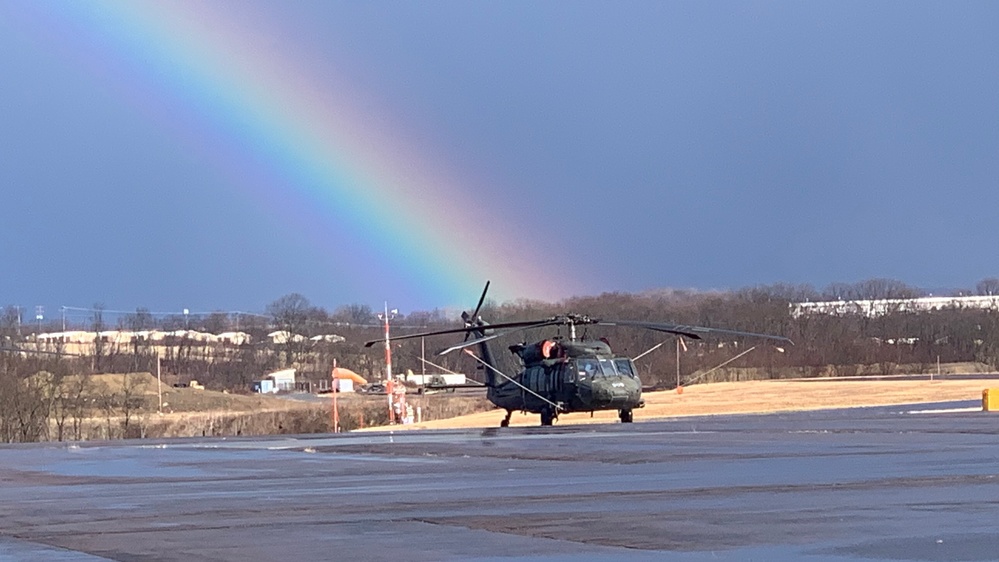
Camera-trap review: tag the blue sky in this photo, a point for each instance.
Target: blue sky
(632, 145)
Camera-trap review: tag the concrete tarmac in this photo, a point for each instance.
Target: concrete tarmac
(887, 483)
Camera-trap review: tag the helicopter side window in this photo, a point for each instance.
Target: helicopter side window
(587, 369)
(567, 374)
(624, 367)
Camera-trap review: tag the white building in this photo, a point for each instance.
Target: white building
(880, 307)
(328, 338)
(234, 338)
(277, 381)
(284, 336)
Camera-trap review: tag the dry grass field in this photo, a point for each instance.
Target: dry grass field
(186, 411)
(754, 397)
(176, 400)
(190, 412)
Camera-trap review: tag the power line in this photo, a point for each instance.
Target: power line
(173, 313)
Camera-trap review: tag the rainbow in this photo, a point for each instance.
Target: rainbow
(328, 160)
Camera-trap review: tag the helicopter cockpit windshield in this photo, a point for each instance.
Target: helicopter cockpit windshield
(624, 367)
(600, 368)
(607, 368)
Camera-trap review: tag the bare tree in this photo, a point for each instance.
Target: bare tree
(51, 390)
(10, 321)
(60, 408)
(98, 326)
(216, 322)
(131, 400)
(871, 289)
(355, 314)
(291, 314)
(887, 289)
(9, 389)
(107, 400)
(26, 408)
(142, 319)
(79, 401)
(840, 291)
(143, 356)
(988, 286)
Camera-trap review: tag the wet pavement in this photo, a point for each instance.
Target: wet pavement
(886, 483)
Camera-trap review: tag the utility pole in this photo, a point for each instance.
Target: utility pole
(159, 383)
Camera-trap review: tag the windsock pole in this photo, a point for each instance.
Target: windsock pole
(336, 411)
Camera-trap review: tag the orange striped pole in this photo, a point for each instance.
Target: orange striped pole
(336, 411)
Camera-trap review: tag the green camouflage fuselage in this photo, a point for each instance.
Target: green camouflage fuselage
(580, 376)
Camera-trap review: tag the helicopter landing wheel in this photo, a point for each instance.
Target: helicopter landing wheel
(626, 416)
(506, 420)
(547, 416)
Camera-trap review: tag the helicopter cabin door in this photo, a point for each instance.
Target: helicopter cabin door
(565, 377)
(538, 380)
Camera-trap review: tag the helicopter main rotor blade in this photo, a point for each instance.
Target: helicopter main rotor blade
(477, 341)
(466, 329)
(694, 332)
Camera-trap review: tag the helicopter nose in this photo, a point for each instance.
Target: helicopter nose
(609, 394)
(615, 393)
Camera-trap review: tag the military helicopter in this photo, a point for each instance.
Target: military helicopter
(562, 375)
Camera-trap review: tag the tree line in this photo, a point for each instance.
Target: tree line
(824, 344)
